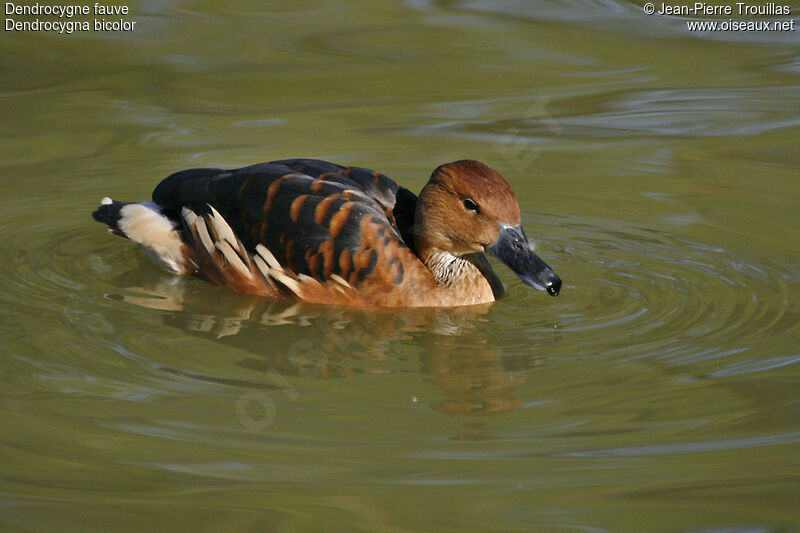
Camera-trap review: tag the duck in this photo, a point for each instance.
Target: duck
(320, 232)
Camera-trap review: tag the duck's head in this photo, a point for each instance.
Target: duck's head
(467, 207)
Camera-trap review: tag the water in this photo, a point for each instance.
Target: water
(657, 170)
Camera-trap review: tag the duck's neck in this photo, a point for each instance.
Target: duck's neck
(462, 279)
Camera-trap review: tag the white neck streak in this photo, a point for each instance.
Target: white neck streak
(449, 269)
(467, 276)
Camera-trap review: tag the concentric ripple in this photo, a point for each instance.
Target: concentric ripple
(646, 293)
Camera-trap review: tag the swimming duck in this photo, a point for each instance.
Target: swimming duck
(319, 232)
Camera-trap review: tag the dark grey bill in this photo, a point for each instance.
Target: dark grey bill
(513, 249)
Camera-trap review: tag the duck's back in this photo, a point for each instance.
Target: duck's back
(318, 219)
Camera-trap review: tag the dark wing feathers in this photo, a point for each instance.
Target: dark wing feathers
(310, 214)
(377, 186)
(404, 210)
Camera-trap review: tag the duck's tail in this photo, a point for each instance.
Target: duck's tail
(146, 224)
(108, 213)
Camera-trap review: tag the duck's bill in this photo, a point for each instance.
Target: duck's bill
(513, 249)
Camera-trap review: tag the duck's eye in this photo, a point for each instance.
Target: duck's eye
(470, 205)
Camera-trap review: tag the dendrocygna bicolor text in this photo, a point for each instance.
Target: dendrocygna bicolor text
(319, 232)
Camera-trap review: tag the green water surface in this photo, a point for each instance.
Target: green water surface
(658, 170)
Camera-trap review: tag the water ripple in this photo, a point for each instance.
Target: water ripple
(631, 291)
(694, 447)
(643, 293)
(696, 112)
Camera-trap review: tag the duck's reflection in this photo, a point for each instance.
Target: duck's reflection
(474, 383)
(456, 346)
